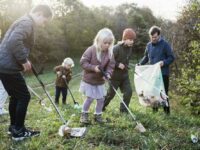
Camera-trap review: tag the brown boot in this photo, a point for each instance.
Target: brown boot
(98, 118)
(84, 118)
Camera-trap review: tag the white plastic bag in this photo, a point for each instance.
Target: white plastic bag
(72, 132)
(149, 85)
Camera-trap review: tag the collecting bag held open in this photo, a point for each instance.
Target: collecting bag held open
(149, 85)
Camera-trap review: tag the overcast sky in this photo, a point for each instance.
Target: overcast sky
(168, 9)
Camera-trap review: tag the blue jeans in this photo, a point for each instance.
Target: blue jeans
(62, 90)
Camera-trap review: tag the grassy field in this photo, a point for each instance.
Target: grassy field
(163, 132)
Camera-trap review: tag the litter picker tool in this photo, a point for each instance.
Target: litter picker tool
(40, 99)
(48, 95)
(64, 128)
(34, 93)
(139, 126)
(76, 104)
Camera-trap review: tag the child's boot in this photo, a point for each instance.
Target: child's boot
(64, 102)
(84, 118)
(98, 118)
(155, 109)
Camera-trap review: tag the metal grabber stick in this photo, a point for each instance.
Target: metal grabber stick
(48, 95)
(139, 126)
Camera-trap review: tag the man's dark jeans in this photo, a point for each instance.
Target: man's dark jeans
(16, 88)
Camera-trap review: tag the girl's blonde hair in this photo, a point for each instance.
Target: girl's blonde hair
(103, 34)
(68, 61)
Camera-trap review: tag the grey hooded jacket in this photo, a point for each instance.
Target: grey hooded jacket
(16, 44)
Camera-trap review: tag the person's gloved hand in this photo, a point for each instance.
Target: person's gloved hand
(63, 76)
(107, 76)
(121, 66)
(27, 66)
(161, 63)
(138, 64)
(58, 73)
(97, 69)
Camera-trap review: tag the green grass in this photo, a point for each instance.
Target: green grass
(163, 132)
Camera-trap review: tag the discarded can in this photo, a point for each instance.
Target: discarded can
(194, 138)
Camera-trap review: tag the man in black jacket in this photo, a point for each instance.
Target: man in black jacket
(120, 78)
(14, 51)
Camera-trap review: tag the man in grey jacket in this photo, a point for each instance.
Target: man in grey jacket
(14, 51)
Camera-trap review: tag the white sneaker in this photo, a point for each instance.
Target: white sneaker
(3, 111)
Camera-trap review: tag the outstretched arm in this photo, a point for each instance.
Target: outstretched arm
(145, 59)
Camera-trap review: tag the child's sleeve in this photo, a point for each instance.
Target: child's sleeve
(116, 55)
(85, 60)
(69, 76)
(145, 59)
(16, 41)
(56, 69)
